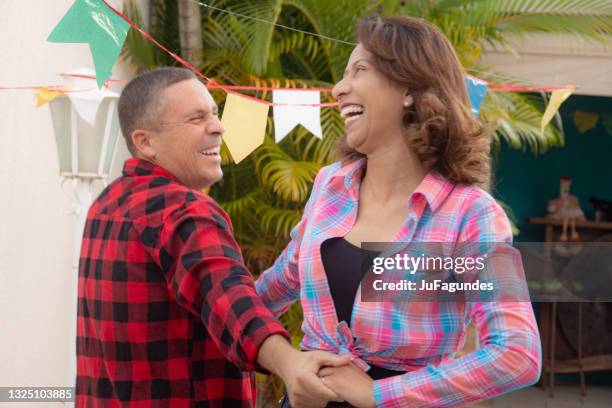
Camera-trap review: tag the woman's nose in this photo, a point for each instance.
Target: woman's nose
(341, 88)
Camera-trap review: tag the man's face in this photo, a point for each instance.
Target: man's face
(189, 139)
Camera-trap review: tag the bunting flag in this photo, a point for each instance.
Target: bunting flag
(245, 125)
(88, 100)
(46, 95)
(477, 90)
(104, 28)
(556, 99)
(92, 22)
(585, 120)
(606, 121)
(291, 109)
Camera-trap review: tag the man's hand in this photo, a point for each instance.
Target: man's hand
(350, 383)
(304, 387)
(298, 370)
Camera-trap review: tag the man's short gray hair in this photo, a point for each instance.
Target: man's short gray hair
(140, 103)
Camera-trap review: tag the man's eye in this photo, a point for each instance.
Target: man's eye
(197, 119)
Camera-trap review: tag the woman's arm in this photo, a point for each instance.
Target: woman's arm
(509, 355)
(279, 286)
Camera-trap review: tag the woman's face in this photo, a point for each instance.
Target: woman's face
(371, 105)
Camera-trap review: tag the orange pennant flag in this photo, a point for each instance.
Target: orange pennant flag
(556, 99)
(45, 95)
(245, 125)
(585, 120)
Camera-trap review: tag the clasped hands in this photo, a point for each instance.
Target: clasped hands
(314, 378)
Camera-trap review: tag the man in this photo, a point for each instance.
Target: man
(167, 312)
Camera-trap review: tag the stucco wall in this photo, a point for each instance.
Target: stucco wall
(36, 238)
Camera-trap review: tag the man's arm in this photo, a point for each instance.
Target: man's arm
(298, 370)
(205, 271)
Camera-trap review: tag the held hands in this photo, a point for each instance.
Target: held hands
(304, 387)
(350, 383)
(314, 378)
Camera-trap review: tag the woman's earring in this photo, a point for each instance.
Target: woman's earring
(408, 101)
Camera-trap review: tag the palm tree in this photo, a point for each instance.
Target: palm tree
(190, 29)
(470, 24)
(266, 192)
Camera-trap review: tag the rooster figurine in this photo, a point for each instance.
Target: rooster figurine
(566, 208)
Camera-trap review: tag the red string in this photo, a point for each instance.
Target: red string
(493, 86)
(30, 88)
(510, 88)
(267, 88)
(211, 83)
(59, 88)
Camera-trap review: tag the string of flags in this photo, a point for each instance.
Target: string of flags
(245, 117)
(585, 121)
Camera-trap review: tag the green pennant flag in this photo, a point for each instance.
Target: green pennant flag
(91, 21)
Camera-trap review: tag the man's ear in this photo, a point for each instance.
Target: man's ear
(143, 143)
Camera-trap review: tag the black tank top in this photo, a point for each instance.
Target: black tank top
(345, 265)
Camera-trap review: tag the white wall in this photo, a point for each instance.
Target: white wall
(557, 60)
(36, 234)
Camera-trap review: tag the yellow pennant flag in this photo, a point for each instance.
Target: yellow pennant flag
(45, 95)
(585, 120)
(556, 99)
(245, 125)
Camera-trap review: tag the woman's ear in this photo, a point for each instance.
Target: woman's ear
(143, 143)
(408, 100)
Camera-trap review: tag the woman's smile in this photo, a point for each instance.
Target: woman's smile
(351, 112)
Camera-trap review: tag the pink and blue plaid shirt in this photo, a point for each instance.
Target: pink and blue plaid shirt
(420, 338)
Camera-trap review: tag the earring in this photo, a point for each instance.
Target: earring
(408, 101)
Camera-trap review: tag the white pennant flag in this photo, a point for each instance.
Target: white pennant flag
(87, 97)
(292, 112)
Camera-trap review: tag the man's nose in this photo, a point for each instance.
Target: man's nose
(216, 127)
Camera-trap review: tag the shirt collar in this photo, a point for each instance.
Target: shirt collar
(350, 173)
(139, 167)
(434, 187)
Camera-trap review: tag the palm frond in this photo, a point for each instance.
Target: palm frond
(290, 179)
(137, 50)
(242, 205)
(278, 221)
(518, 118)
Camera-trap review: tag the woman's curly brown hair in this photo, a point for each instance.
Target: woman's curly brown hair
(441, 130)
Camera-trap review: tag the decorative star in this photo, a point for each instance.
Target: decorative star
(91, 21)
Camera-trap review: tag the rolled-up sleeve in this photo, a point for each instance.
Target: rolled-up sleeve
(205, 271)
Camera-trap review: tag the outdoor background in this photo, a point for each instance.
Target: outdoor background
(265, 193)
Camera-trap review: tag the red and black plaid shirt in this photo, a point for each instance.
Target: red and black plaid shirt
(167, 312)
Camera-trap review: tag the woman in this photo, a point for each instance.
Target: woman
(414, 168)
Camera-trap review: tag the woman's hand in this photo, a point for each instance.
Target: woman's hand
(351, 383)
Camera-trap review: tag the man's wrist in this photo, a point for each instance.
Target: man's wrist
(274, 354)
